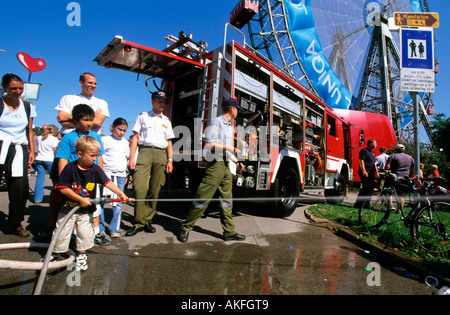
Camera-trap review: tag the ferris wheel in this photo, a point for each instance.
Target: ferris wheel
(333, 48)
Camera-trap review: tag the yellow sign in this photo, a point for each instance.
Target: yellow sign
(406, 19)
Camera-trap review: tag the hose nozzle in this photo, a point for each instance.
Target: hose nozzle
(98, 201)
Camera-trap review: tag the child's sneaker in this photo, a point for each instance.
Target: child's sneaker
(81, 262)
(53, 257)
(100, 239)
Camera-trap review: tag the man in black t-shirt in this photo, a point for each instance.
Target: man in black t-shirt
(368, 172)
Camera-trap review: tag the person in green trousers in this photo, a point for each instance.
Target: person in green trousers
(152, 135)
(218, 177)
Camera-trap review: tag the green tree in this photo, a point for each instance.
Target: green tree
(438, 154)
(441, 128)
(428, 157)
(38, 131)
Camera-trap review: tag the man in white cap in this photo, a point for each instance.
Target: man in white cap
(220, 140)
(400, 163)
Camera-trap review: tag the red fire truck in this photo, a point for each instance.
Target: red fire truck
(290, 141)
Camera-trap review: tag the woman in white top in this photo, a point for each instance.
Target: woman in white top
(47, 145)
(115, 162)
(16, 151)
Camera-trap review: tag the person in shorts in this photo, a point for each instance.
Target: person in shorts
(77, 184)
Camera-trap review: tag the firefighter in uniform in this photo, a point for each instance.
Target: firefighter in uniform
(218, 177)
(152, 134)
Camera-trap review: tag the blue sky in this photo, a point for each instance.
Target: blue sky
(39, 28)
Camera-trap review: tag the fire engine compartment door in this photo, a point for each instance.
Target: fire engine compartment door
(124, 55)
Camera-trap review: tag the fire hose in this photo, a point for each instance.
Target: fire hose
(45, 266)
(47, 263)
(60, 264)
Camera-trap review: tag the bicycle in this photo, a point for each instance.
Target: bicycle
(428, 219)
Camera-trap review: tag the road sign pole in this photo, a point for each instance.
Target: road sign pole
(416, 99)
(417, 74)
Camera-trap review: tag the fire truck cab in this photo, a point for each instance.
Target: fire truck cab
(290, 141)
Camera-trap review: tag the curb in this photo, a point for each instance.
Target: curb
(385, 252)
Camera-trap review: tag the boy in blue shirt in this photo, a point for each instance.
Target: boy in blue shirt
(83, 117)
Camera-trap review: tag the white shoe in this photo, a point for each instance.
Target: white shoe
(115, 234)
(81, 262)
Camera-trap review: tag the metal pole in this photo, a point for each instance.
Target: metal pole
(416, 99)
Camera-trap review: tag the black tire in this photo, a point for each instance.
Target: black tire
(285, 192)
(337, 195)
(431, 227)
(374, 210)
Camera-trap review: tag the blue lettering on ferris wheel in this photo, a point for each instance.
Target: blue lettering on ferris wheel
(306, 40)
(416, 6)
(313, 59)
(371, 9)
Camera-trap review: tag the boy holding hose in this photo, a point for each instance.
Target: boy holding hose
(77, 184)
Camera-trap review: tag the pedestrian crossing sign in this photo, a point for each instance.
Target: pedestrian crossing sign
(417, 49)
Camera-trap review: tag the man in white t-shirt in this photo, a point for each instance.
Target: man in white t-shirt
(382, 158)
(88, 84)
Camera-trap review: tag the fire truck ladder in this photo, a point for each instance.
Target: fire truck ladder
(213, 79)
(208, 102)
(208, 99)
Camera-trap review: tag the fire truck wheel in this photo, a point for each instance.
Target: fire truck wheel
(285, 192)
(337, 195)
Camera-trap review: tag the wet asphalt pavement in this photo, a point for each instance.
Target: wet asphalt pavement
(290, 256)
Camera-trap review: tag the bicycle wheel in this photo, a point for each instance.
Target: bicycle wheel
(374, 210)
(431, 227)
